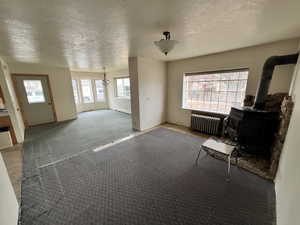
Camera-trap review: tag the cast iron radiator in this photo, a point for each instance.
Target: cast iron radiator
(206, 124)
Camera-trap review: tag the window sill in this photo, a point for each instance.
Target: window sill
(128, 98)
(207, 113)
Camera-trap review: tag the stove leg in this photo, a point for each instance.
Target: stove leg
(228, 169)
(198, 155)
(237, 159)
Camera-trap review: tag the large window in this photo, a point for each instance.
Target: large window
(123, 87)
(87, 93)
(100, 96)
(214, 91)
(34, 91)
(75, 91)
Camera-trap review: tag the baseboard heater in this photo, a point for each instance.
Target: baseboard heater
(206, 124)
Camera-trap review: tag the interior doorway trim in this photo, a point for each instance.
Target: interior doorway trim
(14, 76)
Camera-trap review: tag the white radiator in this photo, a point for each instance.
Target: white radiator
(206, 124)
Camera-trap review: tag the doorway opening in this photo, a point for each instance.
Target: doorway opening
(97, 91)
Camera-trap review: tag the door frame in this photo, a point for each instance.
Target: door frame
(14, 77)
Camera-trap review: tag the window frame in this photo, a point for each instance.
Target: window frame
(78, 91)
(207, 112)
(91, 91)
(116, 87)
(96, 94)
(43, 91)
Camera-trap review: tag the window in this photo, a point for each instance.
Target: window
(123, 87)
(75, 91)
(34, 91)
(214, 91)
(99, 91)
(87, 93)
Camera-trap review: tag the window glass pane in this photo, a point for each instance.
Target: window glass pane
(87, 94)
(120, 88)
(123, 87)
(75, 91)
(34, 91)
(215, 92)
(99, 90)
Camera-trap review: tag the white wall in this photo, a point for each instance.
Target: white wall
(252, 58)
(9, 207)
(117, 103)
(287, 183)
(150, 78)
(89, 106)
(11, 101)
(60, 80)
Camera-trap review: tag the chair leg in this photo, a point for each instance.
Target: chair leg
(237, 158)
(198, 155)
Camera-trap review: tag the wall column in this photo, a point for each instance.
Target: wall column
(148, 79)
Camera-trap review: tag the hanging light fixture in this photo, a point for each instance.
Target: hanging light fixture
(166, 45)
(105, 81)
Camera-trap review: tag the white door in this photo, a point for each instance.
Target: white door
(35, 99)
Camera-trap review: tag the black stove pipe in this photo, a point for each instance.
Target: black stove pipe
(267, 74)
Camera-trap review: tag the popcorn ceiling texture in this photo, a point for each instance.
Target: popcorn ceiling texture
(89, 35)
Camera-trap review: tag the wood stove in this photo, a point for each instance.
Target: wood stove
(253, 128)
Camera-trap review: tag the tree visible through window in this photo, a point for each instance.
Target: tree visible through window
(214, 92)
(123, 87)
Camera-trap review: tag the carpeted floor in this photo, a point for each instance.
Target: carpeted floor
(150, 179)
(53, 142)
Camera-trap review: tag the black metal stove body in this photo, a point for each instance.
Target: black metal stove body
(254, 128)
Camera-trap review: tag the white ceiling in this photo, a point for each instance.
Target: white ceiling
(89, 34)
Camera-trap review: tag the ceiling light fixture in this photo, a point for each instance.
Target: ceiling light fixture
(104, 81)
(166, 45)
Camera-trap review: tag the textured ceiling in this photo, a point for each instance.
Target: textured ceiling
(89, 34)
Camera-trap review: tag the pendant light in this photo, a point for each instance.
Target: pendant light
(166, 45)
(105, 81)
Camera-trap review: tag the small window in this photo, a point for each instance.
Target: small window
(87, 93)
(75, 91)
(214, 91)
(34, 91)
(123, 87)
(99, 91)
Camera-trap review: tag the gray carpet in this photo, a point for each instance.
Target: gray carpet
(150, 179)
(53, 142)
